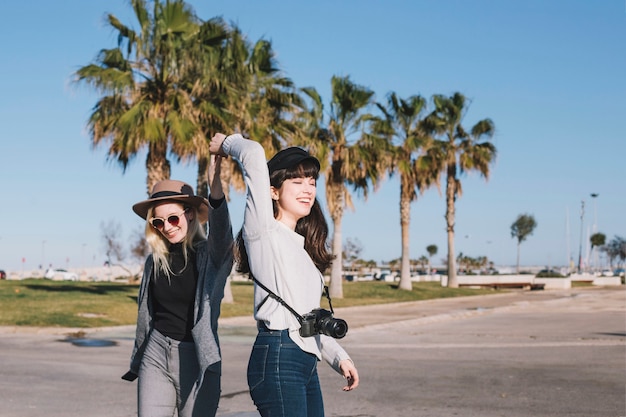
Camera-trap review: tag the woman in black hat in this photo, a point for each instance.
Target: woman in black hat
(176, 355)
(283, 245)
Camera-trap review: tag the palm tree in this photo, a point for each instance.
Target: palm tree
(237, 85)
(252, 96)
(462, 261)
(404, 122)
(265, 100)
(456, 151)
(350, 155)
(597, 240)
(203, 80)
(521, 228)
(432, 251)
(615, 250)
(143, 105)
(423, 262)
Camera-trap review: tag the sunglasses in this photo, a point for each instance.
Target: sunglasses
(159, 222)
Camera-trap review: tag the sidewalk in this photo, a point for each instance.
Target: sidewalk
(556, 353)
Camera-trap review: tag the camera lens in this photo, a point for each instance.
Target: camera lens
(336, 328)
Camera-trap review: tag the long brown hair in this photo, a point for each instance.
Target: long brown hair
(313, 226)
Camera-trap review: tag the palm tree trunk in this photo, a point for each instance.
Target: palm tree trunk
(157, 165)
(405, 268)
(202, 186)
(335, 288)
(335, 200)
(450, 193)
(518, 247)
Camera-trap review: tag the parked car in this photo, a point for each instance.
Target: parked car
(368, 277)
(3, 275)
(388, 276)
(549, 273)
(60, 275)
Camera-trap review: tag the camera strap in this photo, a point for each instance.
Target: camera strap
(271, 294)
(330, 304)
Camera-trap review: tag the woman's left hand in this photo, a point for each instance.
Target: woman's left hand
(349, 372)
(215, 144)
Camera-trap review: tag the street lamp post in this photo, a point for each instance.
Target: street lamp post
(595, 229)
(82, 255)
(580, 250)
(43, 254)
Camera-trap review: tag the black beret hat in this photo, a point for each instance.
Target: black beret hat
(290, 157)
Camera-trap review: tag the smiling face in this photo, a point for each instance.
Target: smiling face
(174, 231)
(295, 198)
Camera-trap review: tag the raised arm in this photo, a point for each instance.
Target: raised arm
(216, 191)
(259, 214)
(220, 228)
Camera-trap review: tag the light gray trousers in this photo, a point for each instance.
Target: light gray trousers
(167, 377)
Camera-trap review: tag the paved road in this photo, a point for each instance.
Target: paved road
(519, 354)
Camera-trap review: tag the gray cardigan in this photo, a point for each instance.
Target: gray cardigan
(214, 260)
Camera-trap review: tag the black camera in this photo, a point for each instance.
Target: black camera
(320, 321)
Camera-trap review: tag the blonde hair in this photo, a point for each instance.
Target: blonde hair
(159, 245)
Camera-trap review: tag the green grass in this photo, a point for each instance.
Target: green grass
(40, 302)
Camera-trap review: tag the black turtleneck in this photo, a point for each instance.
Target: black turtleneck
(173, 298)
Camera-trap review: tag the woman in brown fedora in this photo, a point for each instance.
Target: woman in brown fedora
(176, 355)
(283, 245)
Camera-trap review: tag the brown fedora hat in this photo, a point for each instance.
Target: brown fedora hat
(168, 190)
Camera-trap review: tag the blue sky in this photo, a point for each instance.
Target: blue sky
(551, 74)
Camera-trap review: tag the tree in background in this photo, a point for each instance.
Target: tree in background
(348, 153)
(259, 100)
(615, 250)
(177, 79)
(597, 240)
(456, 151)
(205, 80)
(114, 250)
(463, 262)
(403, 124)
(432, 251)
(351, 252)
(423, 262)
(143, 103)
(139, 251)
(521, 228)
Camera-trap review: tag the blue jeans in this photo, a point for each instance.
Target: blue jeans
(167, 381)
(283, 378)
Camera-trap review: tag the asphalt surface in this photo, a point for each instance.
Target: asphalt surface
(553, 353)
